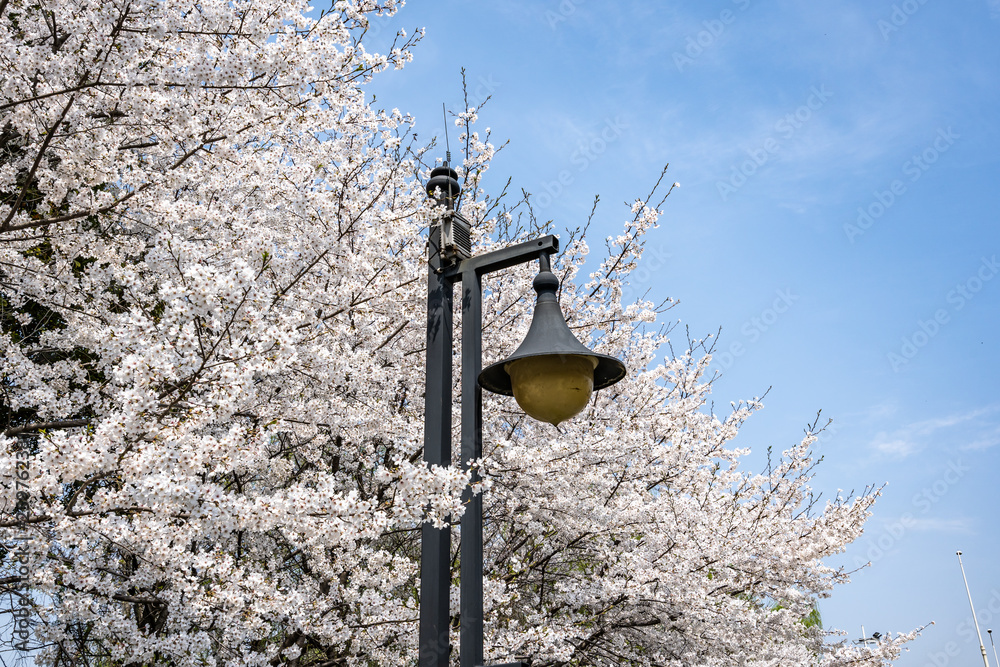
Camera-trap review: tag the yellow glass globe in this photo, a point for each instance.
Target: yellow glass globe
(552, 388)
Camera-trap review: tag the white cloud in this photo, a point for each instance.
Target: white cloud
(959, 525)
(897, 447)
(985, 440)
(914, 437)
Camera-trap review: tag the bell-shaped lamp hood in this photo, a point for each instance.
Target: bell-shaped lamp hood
(551, 374)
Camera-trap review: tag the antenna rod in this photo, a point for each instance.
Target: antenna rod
(454, 203)
(974, 619)
(447, 145)
(990, 633)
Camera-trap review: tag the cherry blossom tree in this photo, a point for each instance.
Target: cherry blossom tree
(211, 330)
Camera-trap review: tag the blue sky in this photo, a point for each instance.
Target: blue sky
(837, 218)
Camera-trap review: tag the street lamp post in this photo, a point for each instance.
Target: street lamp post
(551, 375)
(975, 620)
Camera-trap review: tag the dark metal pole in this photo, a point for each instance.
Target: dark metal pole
(471, 272)
(435, 554)
(435, 557)
(471, 638)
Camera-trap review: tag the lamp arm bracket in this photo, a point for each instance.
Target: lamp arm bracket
(540, 248)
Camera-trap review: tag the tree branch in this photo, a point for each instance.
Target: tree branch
(34, 167)
(45, 426)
